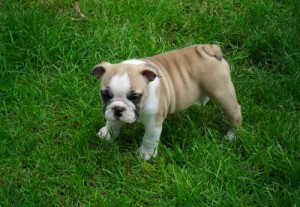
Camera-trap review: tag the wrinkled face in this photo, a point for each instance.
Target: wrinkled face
(123, 89)
(121, 101)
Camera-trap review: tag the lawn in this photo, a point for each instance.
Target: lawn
(50, 109)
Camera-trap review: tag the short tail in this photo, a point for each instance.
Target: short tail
(211, 50)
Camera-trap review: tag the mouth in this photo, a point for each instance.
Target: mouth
(120, 111)
(125, 116)
(120, 119)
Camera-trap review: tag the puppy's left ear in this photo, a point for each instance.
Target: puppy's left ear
(99, 69)
(150, 72)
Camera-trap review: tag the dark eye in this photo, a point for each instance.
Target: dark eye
(106, 95)
(134, 97)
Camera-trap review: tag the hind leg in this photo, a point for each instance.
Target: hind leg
(225, 96)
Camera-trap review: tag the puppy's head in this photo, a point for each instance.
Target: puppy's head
(124, 88)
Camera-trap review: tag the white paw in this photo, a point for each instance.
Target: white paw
(104, 133)
(146, 154)
(205, 100)
(231, 135)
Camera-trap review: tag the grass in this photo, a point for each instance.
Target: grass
(50, 110)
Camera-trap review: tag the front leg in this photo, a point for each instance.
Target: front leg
(150, 141)
(112, 129)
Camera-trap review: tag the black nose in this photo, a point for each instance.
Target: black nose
(118, 111)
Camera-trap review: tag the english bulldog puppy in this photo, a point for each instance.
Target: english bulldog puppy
(148, 89)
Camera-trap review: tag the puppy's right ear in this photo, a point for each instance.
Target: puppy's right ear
(99, 69)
